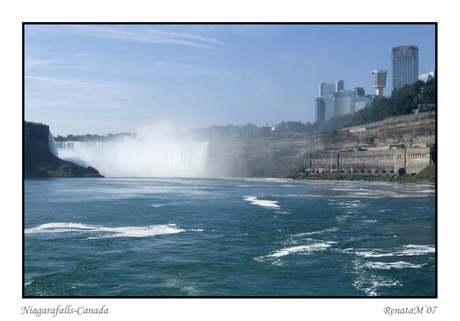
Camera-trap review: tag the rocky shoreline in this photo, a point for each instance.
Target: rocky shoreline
(39, 162)
(426, 176)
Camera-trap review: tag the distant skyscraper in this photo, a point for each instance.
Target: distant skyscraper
(324, 104)
(329, 88)
(404, 66)
(379, 78)
(333, 100)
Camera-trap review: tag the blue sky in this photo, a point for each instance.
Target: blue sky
(101, 79)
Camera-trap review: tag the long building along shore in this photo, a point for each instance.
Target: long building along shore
(396, 160)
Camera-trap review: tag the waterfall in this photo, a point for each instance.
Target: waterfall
(139, 159)
(52, 145)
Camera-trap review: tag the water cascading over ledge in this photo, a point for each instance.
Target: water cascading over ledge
(139, 159)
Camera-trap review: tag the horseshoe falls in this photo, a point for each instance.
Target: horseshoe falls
(138, 159)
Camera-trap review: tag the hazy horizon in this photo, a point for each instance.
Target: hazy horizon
(101, 79)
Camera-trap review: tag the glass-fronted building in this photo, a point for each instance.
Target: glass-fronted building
(404, 66)
(341, 103)
(325, 103)
(329, 88)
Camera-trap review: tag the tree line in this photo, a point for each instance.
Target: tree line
(90, 137)
(401, 102)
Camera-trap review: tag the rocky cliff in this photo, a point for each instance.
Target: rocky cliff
(39, 161)
(282, 154)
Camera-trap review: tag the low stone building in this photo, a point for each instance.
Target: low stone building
(392, 161)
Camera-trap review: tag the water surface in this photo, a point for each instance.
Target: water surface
(228, 237)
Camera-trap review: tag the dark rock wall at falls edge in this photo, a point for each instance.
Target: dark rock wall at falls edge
(39, 162)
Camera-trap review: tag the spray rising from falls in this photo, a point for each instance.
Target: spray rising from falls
(133, 158)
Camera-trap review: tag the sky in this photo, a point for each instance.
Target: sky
(108, 78)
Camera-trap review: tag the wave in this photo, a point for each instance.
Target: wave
(283, 212)
(394, 265)
(333, 229)
(264, 203)
(370, 284)
(157, 205)
(301, 248)
(105, 232)
(406, 250)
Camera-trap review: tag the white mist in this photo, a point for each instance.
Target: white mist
(151, 154)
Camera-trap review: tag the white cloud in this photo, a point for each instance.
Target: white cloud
(149, 35)
(80, 94)
(31, 62)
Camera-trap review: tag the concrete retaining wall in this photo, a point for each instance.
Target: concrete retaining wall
(390, 161)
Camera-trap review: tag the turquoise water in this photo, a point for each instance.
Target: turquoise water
(228, 237)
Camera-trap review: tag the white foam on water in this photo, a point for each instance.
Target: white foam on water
(370, 281)
(392, 265)
(264, 203)
(58, 228)
(283, 212)
(406, 250)
(371, 285)
(301, 248)
(190, 290)
(133, 231)
(106, 232)
(334, 229)
(418, 249)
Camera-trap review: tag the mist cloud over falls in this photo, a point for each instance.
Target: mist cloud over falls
(139, 158)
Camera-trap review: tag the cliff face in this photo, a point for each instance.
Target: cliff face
(277, 155)
(39, 162)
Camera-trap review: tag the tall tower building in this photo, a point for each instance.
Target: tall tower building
(324, 104)
(379, 78)
(329, 88)
(404, 66)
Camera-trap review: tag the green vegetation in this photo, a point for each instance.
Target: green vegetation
(51, 166)
(89, 137)
(332, 136)
(55, 167)
(39, 162)
(427, 175)
(279, 164)
(345, 177)
(401, 102)
(276, 167)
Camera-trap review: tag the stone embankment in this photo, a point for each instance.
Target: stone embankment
(278, 154)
